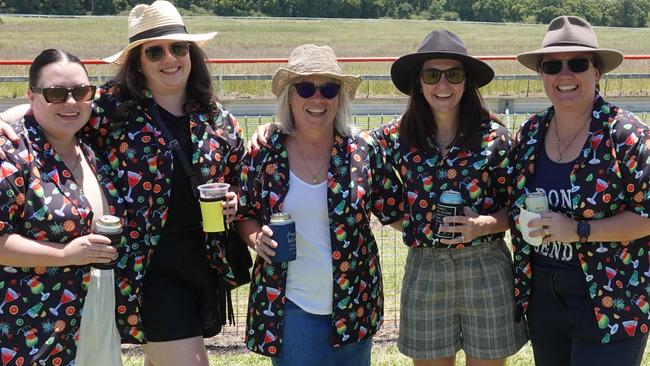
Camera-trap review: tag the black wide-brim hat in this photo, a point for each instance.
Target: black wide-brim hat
(439, 44)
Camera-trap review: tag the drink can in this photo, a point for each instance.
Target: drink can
(284, 233)
(449, 204)
(536, 202)
(111, 227)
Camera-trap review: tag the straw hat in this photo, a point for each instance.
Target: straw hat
(439, 44)
(308, 60)
(159, 20)
(571, 34)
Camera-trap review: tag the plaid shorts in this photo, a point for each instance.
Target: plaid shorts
(456, 299)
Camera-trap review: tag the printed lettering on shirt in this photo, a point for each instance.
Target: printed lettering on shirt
(558, 199)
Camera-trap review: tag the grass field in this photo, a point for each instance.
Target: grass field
(94, 38)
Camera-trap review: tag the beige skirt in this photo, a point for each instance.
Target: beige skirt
(99, 341)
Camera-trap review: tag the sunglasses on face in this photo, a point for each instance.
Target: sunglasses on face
(455, 75)
(576, 65)
(59, 94)
(156, 53)
(307, 90)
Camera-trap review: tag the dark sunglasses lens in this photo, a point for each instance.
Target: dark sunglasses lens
(55, 95)
(578, 65)
(431, 76)
(305, 90)
(330, 90)
(455, 76)
(551, 67)
(83, 93)
(180, 49)
(154, 53)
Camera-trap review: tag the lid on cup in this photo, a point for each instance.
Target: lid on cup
(280, 217)
(213, 190)
(108, 224)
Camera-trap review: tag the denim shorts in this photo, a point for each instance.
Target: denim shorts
(306, 341)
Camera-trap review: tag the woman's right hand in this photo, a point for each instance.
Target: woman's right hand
(88, 249)
(264, 243)
(260, 136)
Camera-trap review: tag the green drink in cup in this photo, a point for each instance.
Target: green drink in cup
(211, 198)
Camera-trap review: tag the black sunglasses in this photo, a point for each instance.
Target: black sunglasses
(455, 75)
(59, 94)
(156, 53)
(327, 90)
(576, 65)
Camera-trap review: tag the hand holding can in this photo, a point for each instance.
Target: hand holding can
(111, 227)
(450, 204)
(284, 233)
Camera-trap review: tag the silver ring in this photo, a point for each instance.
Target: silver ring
(462, 238)
(547, 232)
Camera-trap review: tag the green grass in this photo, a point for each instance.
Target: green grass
(95, 38)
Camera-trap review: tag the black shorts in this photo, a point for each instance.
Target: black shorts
(179, 290)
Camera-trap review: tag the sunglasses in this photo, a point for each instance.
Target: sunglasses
(307, 90)
(156, 53)
(432, 76)
(59, 94)
(576, 65)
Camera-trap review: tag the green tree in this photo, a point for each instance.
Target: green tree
(462, 7)
(630, 13)
(436, 8)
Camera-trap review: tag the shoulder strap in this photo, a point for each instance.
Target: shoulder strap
(176, 146)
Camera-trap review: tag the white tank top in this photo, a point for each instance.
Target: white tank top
(310, 276)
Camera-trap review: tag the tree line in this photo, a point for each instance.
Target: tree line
(617, 13)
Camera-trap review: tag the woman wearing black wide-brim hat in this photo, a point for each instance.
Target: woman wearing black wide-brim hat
(457, 290)
(581, 275)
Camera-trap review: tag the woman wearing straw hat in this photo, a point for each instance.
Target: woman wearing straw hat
(328, 302)
(169, 294)
(584, 289)
(457, 290)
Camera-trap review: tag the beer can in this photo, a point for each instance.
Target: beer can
(111, 227)
(449, 204)
(284, 233)
(536, 202)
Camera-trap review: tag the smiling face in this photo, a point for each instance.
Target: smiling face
(60, 120)
(315, 111)
(443, 97)
(167, 75)
(568, 89)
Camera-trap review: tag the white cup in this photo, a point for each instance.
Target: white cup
(524, 218)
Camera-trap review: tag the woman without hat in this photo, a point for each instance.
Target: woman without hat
(324, 307)
(457, 287)
(583, 290)
(169, 276)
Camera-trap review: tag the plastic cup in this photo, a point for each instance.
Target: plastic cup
(211, 198)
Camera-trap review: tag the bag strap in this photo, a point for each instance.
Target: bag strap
(176, 146)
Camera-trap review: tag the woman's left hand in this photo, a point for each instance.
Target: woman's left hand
(469, 227)
(230, 207)
(554, 226)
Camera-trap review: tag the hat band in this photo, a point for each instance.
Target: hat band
(570, 44)
(158, 32)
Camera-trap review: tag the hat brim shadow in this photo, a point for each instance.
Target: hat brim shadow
(284, 77)
(200, 39)
(611, 59)
(403, 68)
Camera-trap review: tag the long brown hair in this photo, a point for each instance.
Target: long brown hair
(418, 125)
(131, 85)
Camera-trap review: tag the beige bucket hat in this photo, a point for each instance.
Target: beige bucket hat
(308, 60)
(571, 34)
(159, 20)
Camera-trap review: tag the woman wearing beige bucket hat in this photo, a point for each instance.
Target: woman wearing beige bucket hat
(584, 289)
(457, 287)
(168, 295)
(323, 307)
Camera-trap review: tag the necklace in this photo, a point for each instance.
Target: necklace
(560, 152)
(77, 162)
(316, 175)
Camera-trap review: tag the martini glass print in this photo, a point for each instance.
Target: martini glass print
(66, 297)
(10, 296)
(601, 185)
(271, 295)
(595, 141)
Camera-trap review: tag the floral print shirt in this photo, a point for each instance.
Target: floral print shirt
(479, 176)
(609, 176)
(142, 159)
(40, 308)
(359, 182)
